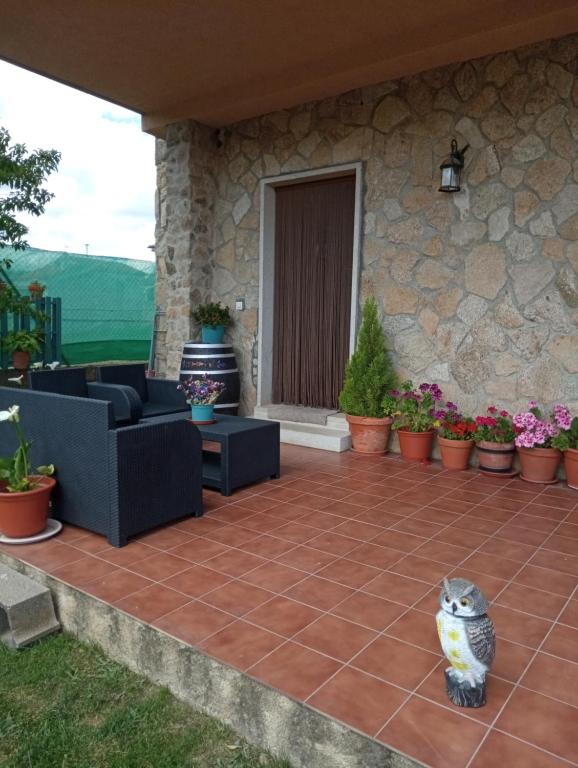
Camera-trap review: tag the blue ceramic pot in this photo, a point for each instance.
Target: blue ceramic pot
(202, 412)
(212, 335)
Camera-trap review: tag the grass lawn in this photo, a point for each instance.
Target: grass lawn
(65, 705)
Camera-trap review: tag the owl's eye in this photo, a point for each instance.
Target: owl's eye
(464, 602)
(447, 599)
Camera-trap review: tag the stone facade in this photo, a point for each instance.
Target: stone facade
(478, 290)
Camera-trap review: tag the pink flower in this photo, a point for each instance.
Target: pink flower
(562, 416)
(534, 430)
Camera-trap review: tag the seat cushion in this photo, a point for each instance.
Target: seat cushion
(161, 409)
(68, 381)
(133, 375)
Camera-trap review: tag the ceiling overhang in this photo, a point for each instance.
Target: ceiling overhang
(221, 61)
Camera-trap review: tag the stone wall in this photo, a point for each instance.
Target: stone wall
(478, 289)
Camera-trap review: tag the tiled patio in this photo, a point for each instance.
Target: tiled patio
(324, 585)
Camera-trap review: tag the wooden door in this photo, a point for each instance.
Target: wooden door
(314, 224)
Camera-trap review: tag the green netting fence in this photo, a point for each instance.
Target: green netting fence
(108, 303)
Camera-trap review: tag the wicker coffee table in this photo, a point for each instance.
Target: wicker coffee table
(249, 451)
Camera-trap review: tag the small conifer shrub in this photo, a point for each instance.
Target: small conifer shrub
(369, 375)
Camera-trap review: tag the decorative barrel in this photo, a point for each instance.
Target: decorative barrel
(217, 362)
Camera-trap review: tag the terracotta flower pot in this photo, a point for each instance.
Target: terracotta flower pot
(20, 360)
(25, 514)
(369, 435)
(455, 453)
(496, 458)
(571, 467)
(415, 446)
(539, 465)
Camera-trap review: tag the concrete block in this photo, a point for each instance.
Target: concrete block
(26, 609)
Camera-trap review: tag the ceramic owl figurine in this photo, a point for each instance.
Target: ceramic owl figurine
(468, 640)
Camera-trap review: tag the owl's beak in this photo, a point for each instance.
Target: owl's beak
(454, 607)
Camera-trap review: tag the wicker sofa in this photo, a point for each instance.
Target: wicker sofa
(126, 403)
(116, 481)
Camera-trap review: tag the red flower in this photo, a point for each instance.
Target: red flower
(504, 414)
(492, 409)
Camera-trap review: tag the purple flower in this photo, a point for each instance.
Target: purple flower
(451, 406)
(201, 391)
(424, 387)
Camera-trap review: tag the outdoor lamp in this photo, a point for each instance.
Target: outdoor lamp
(451, 169)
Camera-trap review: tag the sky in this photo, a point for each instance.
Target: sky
(105, 186)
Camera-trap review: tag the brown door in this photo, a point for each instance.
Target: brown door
(313, 267)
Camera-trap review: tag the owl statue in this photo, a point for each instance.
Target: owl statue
(468, 640)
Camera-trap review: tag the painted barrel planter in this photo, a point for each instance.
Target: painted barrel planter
(217, 362)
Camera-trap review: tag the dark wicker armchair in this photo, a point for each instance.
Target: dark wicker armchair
(118, 482)
(157, 396)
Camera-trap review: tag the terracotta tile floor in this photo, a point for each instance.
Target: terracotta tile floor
(324, 584)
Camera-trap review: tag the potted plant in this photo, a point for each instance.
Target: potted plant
(455, 437)
(534, 434)
(36, 289)
(415, 419)
(567, 442)
(368, 378)
(494, 438)
(213, 319)
(22, 344)
(24, 497)
(201, 395)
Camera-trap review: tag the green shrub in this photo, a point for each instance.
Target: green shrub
(213, 315)
(23, 341)
(369, 375)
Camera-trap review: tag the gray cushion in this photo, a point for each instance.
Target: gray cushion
(133, 375)
(161, 409)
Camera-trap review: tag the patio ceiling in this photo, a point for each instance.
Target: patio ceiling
(220, 61)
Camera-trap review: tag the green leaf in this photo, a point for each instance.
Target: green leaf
(46, 469)
(6, 463)
(22, 175)
(20, 462)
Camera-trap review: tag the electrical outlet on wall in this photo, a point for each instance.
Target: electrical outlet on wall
(240, 305)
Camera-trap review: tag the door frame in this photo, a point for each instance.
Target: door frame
(267, 264)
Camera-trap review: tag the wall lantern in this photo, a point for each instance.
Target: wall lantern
(451, 169)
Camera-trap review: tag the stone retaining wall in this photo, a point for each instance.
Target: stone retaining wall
(265, 717)
(478, 289)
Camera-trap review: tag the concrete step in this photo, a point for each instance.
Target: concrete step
(26, 610)
(333, 436)
(339, 421)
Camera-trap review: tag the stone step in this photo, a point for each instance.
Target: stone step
(334, 437)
